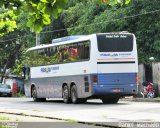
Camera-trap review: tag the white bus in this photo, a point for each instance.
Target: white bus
(77, 68)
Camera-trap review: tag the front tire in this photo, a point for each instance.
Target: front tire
(34, 95)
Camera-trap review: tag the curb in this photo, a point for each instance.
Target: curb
(141, 100)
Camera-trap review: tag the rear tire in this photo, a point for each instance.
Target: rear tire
(74, 97)
(65, 94)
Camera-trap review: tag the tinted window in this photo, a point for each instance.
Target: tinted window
(115, 42)
(60, 54)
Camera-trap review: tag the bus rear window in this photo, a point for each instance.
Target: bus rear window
(115, 42)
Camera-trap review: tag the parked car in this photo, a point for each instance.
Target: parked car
(5, 90)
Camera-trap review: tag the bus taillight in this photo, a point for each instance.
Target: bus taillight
(136, 77)
(95, 79)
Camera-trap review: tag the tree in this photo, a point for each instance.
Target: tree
(7, 60)
(13, 44)
(39, 12)
(36, 14)
(112, 2)
(139, 17)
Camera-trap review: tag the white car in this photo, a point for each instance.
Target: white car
(5, 90)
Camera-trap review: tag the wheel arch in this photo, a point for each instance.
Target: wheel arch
(64, 84)
(69, 87)
(72, 84)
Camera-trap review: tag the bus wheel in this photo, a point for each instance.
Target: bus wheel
(156, 88)
(74, 97)
(34, 94)
(110, 100)
(65, 93)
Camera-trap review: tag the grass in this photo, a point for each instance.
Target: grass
(18, 120)
(23, 114)
(69, 120)
(20, 94)
(2, 126)
(4, 118)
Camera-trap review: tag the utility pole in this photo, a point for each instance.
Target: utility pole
(38, 39)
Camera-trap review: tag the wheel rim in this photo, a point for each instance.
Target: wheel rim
(34, 94)
(65, 94)
(150, 95)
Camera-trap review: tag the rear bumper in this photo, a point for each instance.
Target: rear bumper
(5, 94)
(121, 90)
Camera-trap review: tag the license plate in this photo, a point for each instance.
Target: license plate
(116, 90)
(4, 94)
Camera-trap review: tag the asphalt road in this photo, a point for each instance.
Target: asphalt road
(92, 111)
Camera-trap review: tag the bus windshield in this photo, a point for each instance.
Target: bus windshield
(115, 43)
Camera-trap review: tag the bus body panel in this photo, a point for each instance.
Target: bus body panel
(50, 79)
(115, 83)
(117, 72)
(52, 87)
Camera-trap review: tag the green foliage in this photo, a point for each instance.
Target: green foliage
(146, 27)
(7, 22)
(20, 94)
(4, 118)
(112, 2)
(18, 69)
(133, 18)
(39, 13)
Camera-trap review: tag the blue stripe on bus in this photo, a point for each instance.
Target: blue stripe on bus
(111, 89)
(124, 83)
(117, 78)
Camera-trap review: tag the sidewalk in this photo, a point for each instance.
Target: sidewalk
(140, 99)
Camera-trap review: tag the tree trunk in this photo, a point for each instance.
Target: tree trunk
(4, 71)
(8, 61)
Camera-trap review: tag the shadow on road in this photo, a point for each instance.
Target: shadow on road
(90, 102)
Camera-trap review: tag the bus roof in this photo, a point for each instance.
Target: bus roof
(67, 38)
(71, 39)
(63, 40)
